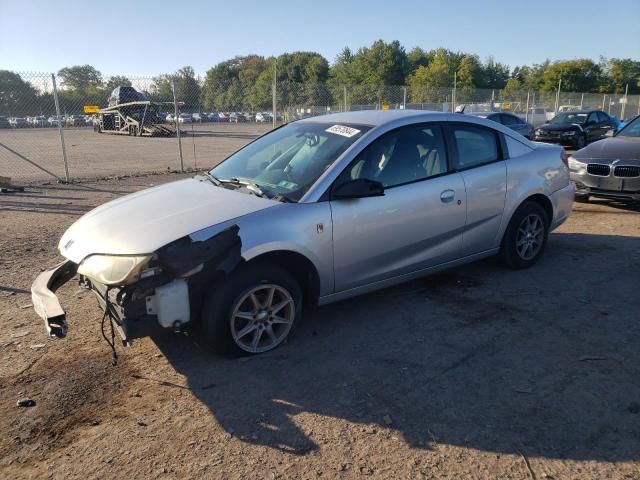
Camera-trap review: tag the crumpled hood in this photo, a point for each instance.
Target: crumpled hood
(614, 148)
(147, 220)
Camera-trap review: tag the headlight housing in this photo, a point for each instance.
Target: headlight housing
(575, 164)
(113, 269)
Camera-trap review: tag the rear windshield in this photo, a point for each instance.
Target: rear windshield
(569, 118)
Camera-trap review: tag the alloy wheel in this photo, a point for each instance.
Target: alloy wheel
(530, 236)
(262, 318)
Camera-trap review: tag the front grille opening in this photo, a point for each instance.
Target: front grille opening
(626, 172)
(597, 169)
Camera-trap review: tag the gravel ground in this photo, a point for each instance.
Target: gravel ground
(479, 372)
(27, 154)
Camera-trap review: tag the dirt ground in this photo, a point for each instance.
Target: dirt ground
(35, 154)
(480, 372)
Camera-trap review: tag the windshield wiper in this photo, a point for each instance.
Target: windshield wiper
(215, 180)
(249, 185)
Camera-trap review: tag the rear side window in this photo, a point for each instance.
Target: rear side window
(603, 117)
(516, 148)
(476, 146)
(510, 119)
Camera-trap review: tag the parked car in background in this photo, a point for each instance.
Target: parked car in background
(609, 167)
(170, 118)
(314, 212)
(568, 108)
(76, 121)
(223, 117)
(510, 120)
(18, 122)
(185, 118)
(213, 117)
(539, 115)
(39, 121)
(200, 117)
(263, 117)
(575, 129)
(55, 121)
(4, 122)
(237, 117)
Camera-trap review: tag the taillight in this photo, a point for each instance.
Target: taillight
(565, 158)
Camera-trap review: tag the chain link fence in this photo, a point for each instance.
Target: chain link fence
(52, 130)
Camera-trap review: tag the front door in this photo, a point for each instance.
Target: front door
(419, 221)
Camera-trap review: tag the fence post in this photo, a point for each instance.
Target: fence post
(526, 112)
(404, 98)
(344, 88)
(603, 98)
(453, 93)
(624, 104)
(558, 95)
(581, 101)
(177, 120)
(64, 150)
(273, 95)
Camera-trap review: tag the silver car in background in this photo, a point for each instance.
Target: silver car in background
(316, 211)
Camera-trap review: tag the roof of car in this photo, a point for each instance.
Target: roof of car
(371, 117)
(573, 112)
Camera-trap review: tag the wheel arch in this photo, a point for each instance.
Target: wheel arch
(303, 269)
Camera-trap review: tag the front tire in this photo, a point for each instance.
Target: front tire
(252, 311)
(581, 141)
(526, 236)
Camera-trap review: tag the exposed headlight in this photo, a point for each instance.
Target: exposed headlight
(569, 133)
(539, 132)
(575, 164)
(113, 270)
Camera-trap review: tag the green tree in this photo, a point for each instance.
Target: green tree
(418, 57)
(621, 72)
(80, 78)
(494, 74)
(17, 97)
(469, 73)
(581, 75)
(186, 85)
(116, 81)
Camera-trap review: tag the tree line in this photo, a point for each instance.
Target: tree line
(307, 79)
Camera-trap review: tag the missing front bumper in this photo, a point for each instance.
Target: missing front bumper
(46, 303)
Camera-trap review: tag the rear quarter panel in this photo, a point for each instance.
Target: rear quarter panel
(539, 172)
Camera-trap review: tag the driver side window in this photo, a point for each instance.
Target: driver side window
(401, 156)
(593, 119)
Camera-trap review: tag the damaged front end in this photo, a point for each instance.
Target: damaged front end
(164, 291)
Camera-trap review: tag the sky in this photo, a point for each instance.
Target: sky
(144, 37)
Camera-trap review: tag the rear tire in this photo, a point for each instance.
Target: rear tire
(526, 236)
(252, 311)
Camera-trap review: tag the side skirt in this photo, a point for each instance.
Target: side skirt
(370, 287)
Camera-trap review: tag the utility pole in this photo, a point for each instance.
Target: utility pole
(273, 94)
(453, 95)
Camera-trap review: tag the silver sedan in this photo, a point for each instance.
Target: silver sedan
(316, 211)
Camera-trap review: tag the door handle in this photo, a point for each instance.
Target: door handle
(447, 196)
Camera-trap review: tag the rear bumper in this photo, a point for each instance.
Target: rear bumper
(45, 301)
(562, 201)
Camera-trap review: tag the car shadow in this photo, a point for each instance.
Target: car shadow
(541, 361)
(620, 204)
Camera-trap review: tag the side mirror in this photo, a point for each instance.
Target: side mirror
(358, 188)
(610, 133)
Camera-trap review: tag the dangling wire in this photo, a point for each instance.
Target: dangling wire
(112, 342)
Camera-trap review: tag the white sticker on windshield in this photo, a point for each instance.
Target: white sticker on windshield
(342, 130)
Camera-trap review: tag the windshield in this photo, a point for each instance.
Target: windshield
(632, 129)
(290, 159)
(569, 118)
